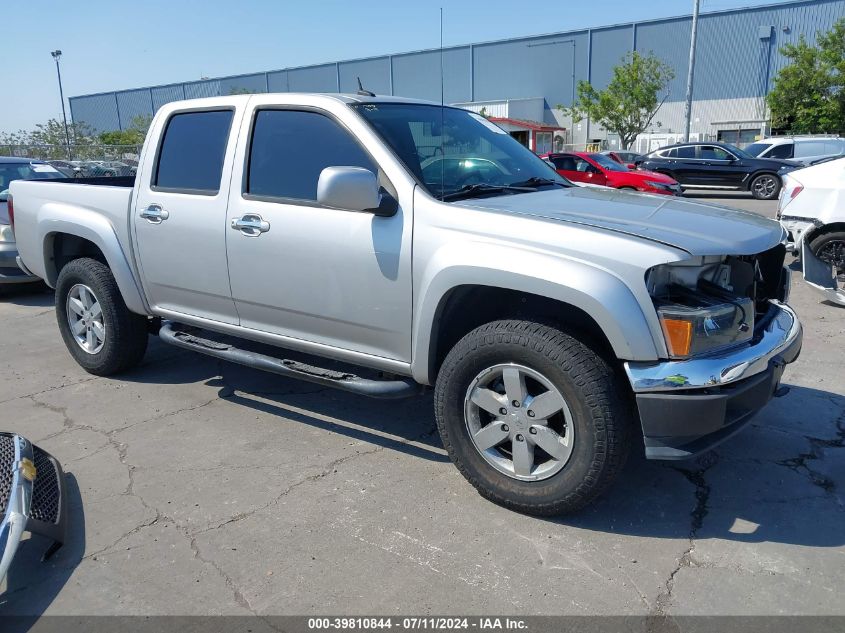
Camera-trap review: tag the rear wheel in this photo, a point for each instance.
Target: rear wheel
(765, 187)
(100, 332)
(532, 417)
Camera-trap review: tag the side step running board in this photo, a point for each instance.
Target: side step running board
(403, 388)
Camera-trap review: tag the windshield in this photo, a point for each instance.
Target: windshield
(606, 162)
(450, 150)
(755, 149)
(26, 171)
(739, 152)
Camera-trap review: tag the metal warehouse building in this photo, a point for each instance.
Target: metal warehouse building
(520, 81)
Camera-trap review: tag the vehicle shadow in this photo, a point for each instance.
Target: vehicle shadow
(34, 295)
(32, 585)
(405, 425)
(779, 480)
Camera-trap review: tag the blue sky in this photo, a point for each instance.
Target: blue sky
(114, 44)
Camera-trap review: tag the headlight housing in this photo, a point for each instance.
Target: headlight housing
(699, 308)
(6, 234)
(694, 323)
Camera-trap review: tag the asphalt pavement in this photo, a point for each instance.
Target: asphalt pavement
(200, 487)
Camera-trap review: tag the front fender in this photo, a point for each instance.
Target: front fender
(55, 218)
(596, 291)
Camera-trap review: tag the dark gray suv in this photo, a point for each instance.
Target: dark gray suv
(12, 168)
(718, 166)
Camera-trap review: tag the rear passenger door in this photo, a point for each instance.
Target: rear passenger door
(179, 214)
(318, 276)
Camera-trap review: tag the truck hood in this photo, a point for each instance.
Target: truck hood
(699, 229)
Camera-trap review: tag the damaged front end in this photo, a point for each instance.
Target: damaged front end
(729, 334)
(821, 275)
(32, 497)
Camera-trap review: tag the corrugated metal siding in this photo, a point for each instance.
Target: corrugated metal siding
(417, 75)
(732, 63)
(314, 79)
(132, 104)
(244, 84)
(374, 74)
(609, 47)
(99, 112)
(166, 94)
(669, 41)
(535, 67)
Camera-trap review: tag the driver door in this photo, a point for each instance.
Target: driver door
(320, 275)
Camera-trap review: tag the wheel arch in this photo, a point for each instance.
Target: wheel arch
(64, 240)
(463, 297)
(817, 231)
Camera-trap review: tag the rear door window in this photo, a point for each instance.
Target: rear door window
(809, 148)
(687, 151)
(190, 159)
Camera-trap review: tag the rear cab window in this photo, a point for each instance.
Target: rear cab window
(190, 158)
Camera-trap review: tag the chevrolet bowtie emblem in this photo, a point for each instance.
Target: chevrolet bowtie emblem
(27, 469)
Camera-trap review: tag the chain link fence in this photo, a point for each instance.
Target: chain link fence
(88, 152)
(81, 161)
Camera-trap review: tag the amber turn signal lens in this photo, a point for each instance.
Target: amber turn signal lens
(678, 336)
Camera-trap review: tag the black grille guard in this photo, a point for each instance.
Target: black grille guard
(32, 497)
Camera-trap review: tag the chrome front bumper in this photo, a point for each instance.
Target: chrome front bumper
(781, 336)
(32, 497)
(687, 407)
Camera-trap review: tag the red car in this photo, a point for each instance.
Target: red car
(600, 169)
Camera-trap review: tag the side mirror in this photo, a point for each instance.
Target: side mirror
(4, 195)
(353, 188)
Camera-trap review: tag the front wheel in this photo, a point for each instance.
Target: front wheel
(100, 332)
(830, 248)
(765, 187)
(532, 417)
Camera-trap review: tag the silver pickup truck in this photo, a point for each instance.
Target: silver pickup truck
(425, 246)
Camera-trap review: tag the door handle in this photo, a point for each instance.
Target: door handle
(251, 225)
(154, 214)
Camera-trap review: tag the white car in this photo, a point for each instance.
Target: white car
(812, 210)
(806, 150)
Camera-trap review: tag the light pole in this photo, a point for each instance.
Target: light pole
(690, 71)
(56, 55)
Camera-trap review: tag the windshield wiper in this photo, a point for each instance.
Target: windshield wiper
(479, 189)
(536, 181)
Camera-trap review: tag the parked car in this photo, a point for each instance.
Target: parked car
(629, 159)
(718, 166)
(11, 169)
(70, 169)
(806, 150)
(812, 211)
(558, 324)
(32, 498)
(600, 169)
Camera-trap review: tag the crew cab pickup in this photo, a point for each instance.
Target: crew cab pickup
(559, 326)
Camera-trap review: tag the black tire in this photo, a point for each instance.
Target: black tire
(601, 415)
(830, 248)
(125, 339)
(765, 186)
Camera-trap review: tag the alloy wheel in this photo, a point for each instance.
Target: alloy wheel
(765, 186)
(85, 318)
(519, 422)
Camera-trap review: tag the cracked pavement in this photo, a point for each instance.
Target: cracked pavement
(199, 487)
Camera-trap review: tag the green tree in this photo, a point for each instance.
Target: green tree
(630, 101)
(132, 135)
(48, 140)
(809, 93)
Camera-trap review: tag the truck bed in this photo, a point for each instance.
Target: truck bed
(96, 202)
